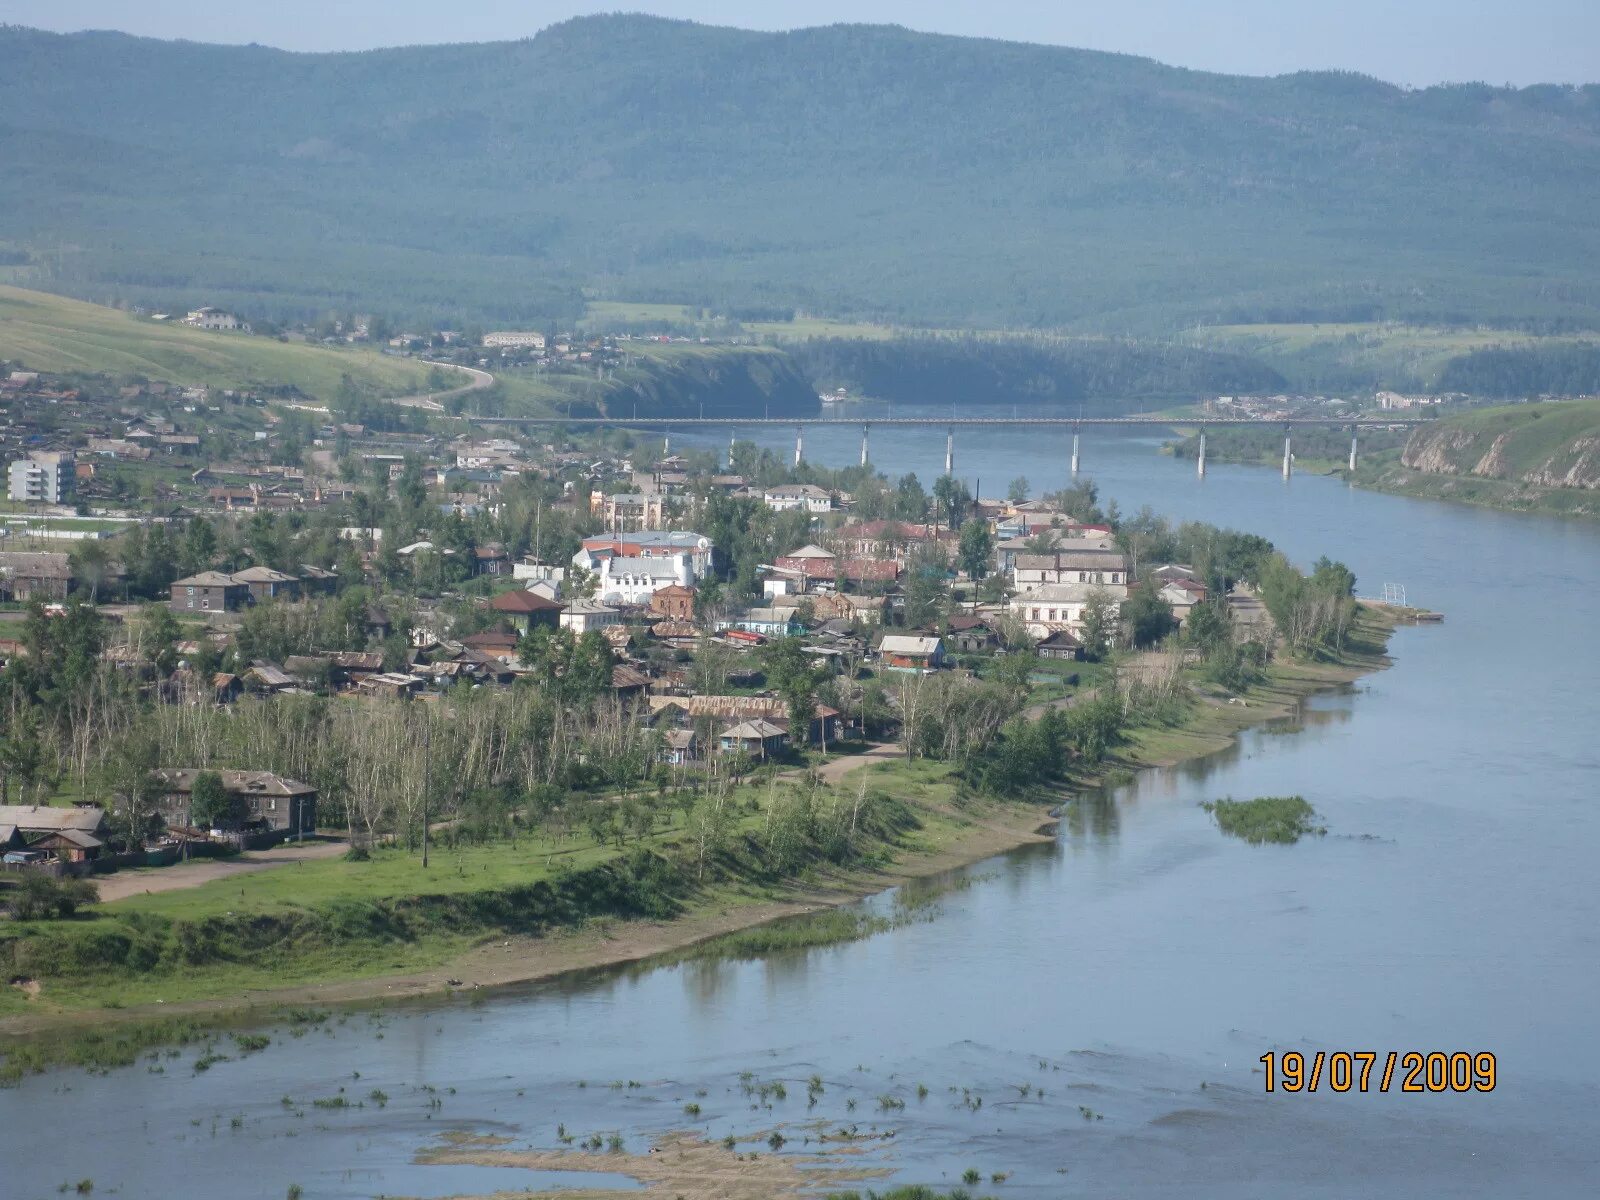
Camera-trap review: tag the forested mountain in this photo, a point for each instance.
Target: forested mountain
(850, 169)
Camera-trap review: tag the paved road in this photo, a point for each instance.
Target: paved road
(430, 400)
(192, 874)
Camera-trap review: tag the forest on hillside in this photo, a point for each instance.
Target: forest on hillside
(851, 170)
(978, 370)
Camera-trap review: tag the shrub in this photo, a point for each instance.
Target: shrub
(40, 897)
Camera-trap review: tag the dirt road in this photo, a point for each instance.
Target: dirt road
(192, 874)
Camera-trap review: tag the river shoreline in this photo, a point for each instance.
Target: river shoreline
(994, 829)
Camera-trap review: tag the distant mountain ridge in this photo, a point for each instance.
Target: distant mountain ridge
(849, 169)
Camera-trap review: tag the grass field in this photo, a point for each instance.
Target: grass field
(54, 334)
(1406, 355)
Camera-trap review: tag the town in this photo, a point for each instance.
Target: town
(203, 553)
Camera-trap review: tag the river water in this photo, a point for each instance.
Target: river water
(1136, 969)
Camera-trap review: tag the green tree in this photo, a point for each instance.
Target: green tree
(159, 633)
(976, 549)
(1148, 617)
(1018, 490)
(1099, 624)
(212, 806)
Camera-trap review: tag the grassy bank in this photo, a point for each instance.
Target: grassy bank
(52, 333)
(335, 931)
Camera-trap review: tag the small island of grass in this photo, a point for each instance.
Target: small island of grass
(1280, 819)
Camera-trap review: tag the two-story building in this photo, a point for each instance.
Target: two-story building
(209, 591)
(787, 497)
(273, 808)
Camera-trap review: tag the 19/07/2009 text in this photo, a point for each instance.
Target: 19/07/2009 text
(1374, 1071)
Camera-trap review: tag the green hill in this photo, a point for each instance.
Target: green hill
(51, 333)
(1543, 457)
(851, 170)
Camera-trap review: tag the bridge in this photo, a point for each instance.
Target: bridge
(950, 424)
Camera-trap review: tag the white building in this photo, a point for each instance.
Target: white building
(44, 477)
(581, 616)
(1055, 606)
(790, 496)
(214, 318)
(635, 580)
(513, 340)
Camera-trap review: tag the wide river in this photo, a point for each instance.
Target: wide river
(1135, 970)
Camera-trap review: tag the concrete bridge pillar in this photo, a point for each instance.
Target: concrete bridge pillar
(1353, 435)
(949, 451)
(864, 430)
(1288, 456)
(1074, 453)
(733, 436)
(799, 443)
(666, 446)
(1200, 462)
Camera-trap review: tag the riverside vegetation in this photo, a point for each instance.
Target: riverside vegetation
(1280, 819)
(558, 814)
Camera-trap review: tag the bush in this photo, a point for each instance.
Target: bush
(1279, 819)
(40, 897)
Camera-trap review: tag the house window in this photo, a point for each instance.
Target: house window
(205, 602)
(189, 591)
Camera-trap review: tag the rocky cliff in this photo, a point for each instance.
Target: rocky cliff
(1555, 445)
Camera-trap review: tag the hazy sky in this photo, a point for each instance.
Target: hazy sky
(1405, 41)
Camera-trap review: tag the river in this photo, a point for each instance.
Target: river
(1135, 969)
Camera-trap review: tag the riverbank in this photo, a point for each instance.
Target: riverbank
(1395, 479)
(950, 831)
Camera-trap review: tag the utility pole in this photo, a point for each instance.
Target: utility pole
(427, 782)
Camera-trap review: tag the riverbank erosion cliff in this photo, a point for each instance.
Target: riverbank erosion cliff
(1535, 457)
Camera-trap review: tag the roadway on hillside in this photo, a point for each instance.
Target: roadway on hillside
(431, 400)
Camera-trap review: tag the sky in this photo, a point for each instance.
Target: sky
(1413, 42)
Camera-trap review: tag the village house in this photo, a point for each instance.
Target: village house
(788, 497)
(581, 616)
(811, 564)
(214, 318)
(901, 652)
(276, 808)
(1182, 595)
(893, 541)
(391, 685)
(73, 833)
(674, 603)
(972, 635)
(34, 575)
(768, 622)
(209, 591)
(1059, 645)
(686, 710)
(680, 747)
(758, 739)
(491, 559)
(266, 584)
(527, 610)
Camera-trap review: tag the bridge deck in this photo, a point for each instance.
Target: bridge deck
(954, 422)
